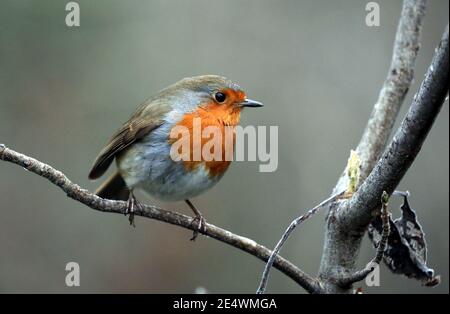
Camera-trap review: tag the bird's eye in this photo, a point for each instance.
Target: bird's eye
(220, 97)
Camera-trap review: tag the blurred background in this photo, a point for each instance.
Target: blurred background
(315, 65)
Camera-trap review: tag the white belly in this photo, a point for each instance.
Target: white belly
(147, 165)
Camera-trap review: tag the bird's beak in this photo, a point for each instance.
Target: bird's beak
(250, 103)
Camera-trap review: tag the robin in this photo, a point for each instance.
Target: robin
(142, 146)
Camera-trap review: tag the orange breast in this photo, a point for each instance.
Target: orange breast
(221, 117)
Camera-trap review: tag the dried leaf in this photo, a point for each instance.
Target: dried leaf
(406, 251)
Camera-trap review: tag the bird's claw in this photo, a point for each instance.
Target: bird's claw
(201, 226)
(133, 204)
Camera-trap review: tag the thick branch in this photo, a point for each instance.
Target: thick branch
(378, 129)
(347, 280)
(393, 92)
(119, 207)
(406, 143)
(348, 220)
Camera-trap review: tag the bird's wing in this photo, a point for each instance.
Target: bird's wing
(146, 119)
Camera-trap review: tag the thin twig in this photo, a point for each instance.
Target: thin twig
(285, 236)
(401, 193)
(348, 280)
(73, 191)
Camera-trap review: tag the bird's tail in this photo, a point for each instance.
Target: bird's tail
(113, 188)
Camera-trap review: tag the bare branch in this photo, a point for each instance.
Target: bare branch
(381, 122)
(406, 143)
(347, 223)
(394, 90)
(348, 280)
(119, 207)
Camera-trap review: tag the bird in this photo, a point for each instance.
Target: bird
(141, 147)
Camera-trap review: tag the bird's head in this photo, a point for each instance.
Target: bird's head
(212, 93)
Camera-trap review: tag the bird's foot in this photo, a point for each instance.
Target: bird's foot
(201, 226)
(133, 205)
(201, 222)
